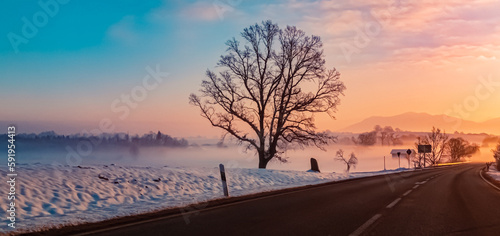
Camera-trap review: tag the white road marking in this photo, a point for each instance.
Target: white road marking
(367, 224)
(393, 203)
(488, 182)
(416, 186)
(407, 192)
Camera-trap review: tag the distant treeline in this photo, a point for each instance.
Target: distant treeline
(383, 136)
(51, 139)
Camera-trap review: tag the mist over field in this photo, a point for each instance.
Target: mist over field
(206, 153)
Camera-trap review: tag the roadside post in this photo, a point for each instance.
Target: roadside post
(399, 159)
(384, 162)
(408, 157)
(223, 178)
(488, 164)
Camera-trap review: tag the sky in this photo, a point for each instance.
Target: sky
(129, 66)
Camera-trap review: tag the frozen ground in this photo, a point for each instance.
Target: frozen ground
(54, 195)
(494, 172)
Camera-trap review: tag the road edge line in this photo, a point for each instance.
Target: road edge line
(488, 182)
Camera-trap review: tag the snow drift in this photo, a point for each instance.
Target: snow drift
(55, 195)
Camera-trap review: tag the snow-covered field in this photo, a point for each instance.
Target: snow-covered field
(494, 173)
(54, 195)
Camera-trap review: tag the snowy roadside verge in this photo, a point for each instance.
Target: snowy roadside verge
(53, 196)
(494, 173)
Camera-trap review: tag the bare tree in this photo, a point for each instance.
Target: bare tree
(268, 90)
(386, 134)
(438, 141)
(496, 155)
(366, 139)
(458, 148)
(352, 161)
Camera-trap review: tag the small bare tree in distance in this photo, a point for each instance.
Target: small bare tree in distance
(268, 89)
(438, 141)
(352, 161)
(496, 155)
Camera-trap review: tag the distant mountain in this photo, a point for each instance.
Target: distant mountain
(423, 122)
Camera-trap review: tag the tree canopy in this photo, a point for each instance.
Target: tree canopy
(267, 90)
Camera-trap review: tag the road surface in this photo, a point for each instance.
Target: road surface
(443, 201)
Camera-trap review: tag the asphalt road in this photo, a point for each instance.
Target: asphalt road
(444, 201)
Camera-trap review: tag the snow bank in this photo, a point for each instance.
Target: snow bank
(49, 195)
(494, 173)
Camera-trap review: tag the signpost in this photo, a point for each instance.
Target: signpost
(399, 158)
(408, 157)
(424, 149)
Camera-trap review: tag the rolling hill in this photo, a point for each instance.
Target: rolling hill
(423, 122)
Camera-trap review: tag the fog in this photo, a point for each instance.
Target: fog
(370, 158)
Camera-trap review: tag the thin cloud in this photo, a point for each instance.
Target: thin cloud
(427, 27)
(123, 31)
(204, 11)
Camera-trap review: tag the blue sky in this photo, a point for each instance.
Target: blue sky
(89, 53)
(88, 36)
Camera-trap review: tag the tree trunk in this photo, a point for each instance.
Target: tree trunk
(262, 164)
(262, 160)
